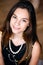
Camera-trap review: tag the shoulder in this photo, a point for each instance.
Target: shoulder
(35, 53)
(36, 46)
(0, 39)
(36, 50)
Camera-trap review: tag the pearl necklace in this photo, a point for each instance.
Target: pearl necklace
(12, 50)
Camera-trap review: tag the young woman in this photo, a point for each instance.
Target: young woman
(18, 40)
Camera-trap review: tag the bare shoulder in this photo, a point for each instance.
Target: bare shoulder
(0, 39)
(36, 50)
(0, 33)
(35, 54)
(36, 46)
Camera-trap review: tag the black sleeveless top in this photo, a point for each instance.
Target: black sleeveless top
(11, 58)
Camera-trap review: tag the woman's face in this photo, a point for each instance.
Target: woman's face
(19, 20)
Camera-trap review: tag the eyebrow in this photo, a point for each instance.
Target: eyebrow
(22, 18)
(15, 14)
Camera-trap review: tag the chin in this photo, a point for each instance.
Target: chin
(15, 32)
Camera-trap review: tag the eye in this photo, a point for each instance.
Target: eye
(24, 20)
(14, 16)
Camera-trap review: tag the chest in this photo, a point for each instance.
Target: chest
(12, 54)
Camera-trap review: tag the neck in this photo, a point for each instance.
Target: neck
(18, 36)
(18, 39)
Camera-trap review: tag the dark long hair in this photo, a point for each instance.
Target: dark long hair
(30, 32)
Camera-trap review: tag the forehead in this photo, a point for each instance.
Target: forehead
(21, 12)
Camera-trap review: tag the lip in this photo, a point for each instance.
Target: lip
(16, 28)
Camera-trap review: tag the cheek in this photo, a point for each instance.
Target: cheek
(24, 27)
(10, 24)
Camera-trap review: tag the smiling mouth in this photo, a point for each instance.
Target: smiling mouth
(16, 28)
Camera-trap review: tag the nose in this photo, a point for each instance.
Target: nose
(17, 22)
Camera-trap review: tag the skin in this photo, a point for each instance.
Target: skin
(35, 54)
(1, 57)
(18, 23)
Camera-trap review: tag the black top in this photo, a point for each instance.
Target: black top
(10, 58)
